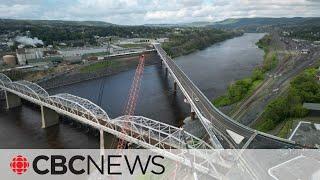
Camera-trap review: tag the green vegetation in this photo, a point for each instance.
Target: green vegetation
(75, 33)
(301, 27)
(264, 43)
(243, 88)
(304, 88)
(99, 66)
(311, 33)
(240, 89)
(286, 129)
(308, 30)
(270, 57)
(189, 40)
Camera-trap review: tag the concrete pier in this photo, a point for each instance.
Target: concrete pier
(48, 117)
(174, 88)
(12, 100)
(192, 114)
(108, 141)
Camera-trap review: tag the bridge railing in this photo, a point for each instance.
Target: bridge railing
(191, 97)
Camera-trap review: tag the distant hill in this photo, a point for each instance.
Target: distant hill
(249, 24)
(192, 24)
(161, 25)
(197, 24)
(259, 24)
(56, 22)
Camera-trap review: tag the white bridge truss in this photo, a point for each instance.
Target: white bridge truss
(168, 140)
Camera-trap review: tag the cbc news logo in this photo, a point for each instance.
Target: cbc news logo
(19, 164)
(106, 165)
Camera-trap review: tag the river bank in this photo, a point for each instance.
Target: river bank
(98, 69)
(244, 88)
(185, 43)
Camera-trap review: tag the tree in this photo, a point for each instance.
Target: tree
(257, 74)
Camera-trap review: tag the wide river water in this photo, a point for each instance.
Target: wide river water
(212, 70)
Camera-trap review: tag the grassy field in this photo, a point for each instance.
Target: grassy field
(286, 129)
(99, 66)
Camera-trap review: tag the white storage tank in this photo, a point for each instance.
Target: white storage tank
(9, 60)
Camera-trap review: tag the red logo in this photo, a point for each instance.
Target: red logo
(19, 164)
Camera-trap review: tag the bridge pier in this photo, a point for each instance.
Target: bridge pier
(12, 100)
(174, 88)
(49, 117)
(166, 71)
(107, 140)
(192, 114)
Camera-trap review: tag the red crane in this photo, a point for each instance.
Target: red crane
(132, 99)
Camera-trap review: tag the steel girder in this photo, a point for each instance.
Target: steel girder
(98, 112)
(164, 133)
(35, 87)
(4, 79)
(23, 89)
(73, 107)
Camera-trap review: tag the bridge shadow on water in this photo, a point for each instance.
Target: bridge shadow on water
(176, 99)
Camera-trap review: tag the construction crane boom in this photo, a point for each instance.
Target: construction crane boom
(132, 98)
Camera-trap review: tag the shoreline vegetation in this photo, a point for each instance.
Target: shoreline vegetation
(99, 66)
(243, 88)
(191, 40)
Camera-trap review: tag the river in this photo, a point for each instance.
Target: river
(211, 69)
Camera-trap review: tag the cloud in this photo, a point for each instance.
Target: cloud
(17, 10)
(156, 11)
(21, 2)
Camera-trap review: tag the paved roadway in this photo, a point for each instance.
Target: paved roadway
(221, 123)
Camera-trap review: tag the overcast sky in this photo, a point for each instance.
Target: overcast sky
(155, 11)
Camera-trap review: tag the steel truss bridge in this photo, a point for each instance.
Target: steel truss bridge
(168, 140)
(162, 138)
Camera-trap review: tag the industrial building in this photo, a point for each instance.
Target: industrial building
(24, 55)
